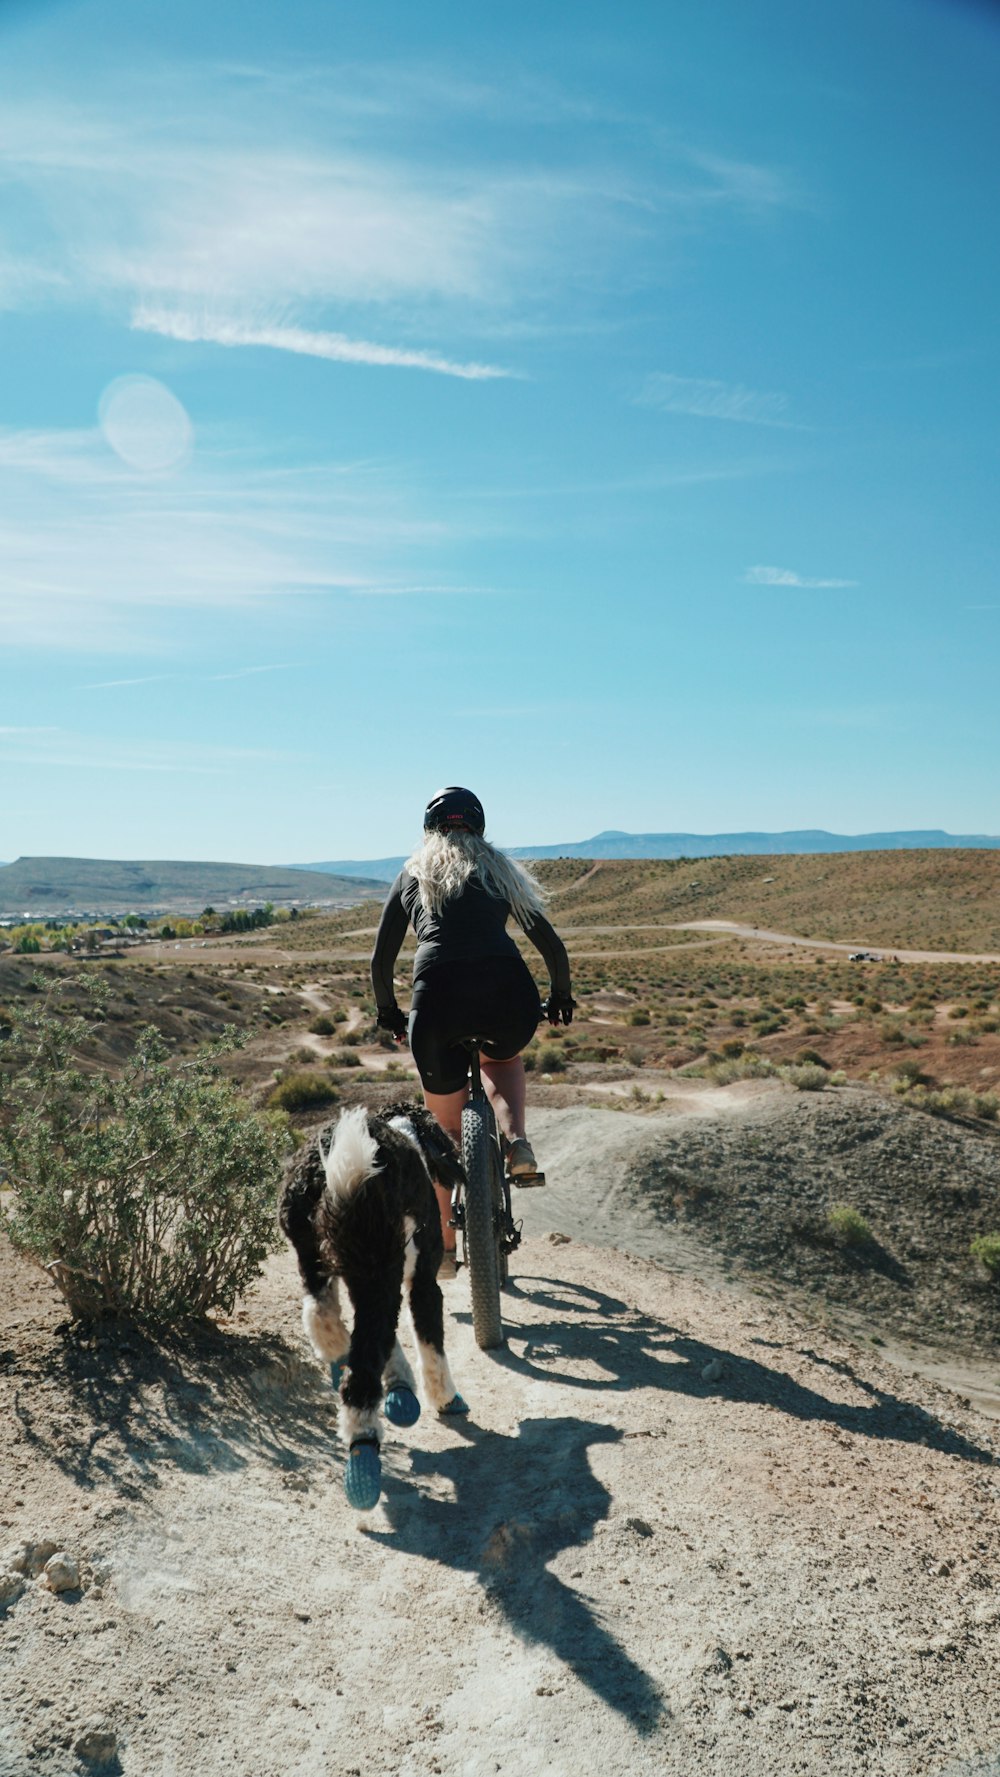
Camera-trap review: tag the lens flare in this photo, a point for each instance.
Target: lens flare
(145, 424)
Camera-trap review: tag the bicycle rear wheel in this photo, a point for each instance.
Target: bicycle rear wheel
(481, 1225)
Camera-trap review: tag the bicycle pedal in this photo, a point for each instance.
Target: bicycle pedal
(527, 1181)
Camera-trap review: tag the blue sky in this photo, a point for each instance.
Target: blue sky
(595, 405)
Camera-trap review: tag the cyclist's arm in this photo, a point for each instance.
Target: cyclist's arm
(388, 939)
(553, 951)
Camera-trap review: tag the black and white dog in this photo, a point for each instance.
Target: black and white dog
(358, 1206)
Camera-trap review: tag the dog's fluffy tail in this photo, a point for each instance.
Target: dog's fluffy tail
(352, 1157)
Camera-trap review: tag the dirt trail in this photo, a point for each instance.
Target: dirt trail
(682, 1532)
(737, 930)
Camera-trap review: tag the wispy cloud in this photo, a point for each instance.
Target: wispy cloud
(246, 672)
(66, 750)
(116, 684)
(101, 556)
(335, 347)
(705, 398)
(762, 576)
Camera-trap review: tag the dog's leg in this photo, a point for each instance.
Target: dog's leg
(397, 1370)
(323, 1323)
(427, 1316)
(377, 1298)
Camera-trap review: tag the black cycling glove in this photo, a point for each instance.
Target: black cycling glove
(558, 1008)
(391, 1018)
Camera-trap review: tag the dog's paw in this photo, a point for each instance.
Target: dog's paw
(454, 1408)
(363, 1475)
(401, 1405)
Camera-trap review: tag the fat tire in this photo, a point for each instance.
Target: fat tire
(480, 1228)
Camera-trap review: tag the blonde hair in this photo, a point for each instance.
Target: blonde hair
(444, 863)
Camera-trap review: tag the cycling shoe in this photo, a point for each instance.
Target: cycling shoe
(401, 1405)
(363, 1475)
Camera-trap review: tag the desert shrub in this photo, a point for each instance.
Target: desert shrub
(302, 1092)
(322, 1026)
(986, 1247)
(347, 1058)
(892, 1035)
(955, 1101)
(549, 1059)
(848, 1225)
(964, 1039)
(807, 1077)
(908, 1074)
(638, 1015)
(810, 1058)
(148, 1195)
(304, 1057)
(739, 1067)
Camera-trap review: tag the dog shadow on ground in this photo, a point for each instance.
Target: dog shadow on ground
(122, 1409)
(591, 1331)
(516, 1501)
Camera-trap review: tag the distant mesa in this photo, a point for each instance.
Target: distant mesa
(615, 844)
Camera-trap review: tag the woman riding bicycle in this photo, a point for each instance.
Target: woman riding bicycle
(469, 979)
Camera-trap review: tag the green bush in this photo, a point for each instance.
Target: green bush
(848, 1225)
(986, 1247)
(322, 1026)
(807, 1077)
(738, 1067)
(638, 1015)
(302, 1092)
(150, 1195)
(954, 1101)
(550, 1060)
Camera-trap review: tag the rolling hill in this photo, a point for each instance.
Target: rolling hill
(50, 887)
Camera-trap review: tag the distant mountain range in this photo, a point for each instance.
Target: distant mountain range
(613, 844)
(49, 888)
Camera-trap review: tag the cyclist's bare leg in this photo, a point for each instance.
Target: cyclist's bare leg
(506, 1087)
(446, 1107)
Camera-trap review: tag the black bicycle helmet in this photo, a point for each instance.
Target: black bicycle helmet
(452, 809)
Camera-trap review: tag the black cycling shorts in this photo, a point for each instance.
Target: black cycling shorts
(493, 998)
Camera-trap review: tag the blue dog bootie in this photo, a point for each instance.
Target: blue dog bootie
(401, 1405)
(363, 1475)
(454, 1408)
(336, 1376)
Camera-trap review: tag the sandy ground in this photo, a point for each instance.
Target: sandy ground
(682, 1532)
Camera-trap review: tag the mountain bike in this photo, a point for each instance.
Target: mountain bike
(481, 1210)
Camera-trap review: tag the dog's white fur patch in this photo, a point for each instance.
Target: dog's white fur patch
(324, 1326)
(359, 1422)
(435, 1375)
(353, 1154)
(398, 1370)
(406, 1128)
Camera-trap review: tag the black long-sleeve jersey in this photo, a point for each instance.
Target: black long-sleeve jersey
(471, 925)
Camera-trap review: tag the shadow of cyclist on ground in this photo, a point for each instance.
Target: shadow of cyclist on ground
(629, 1350)
(518, 1501)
